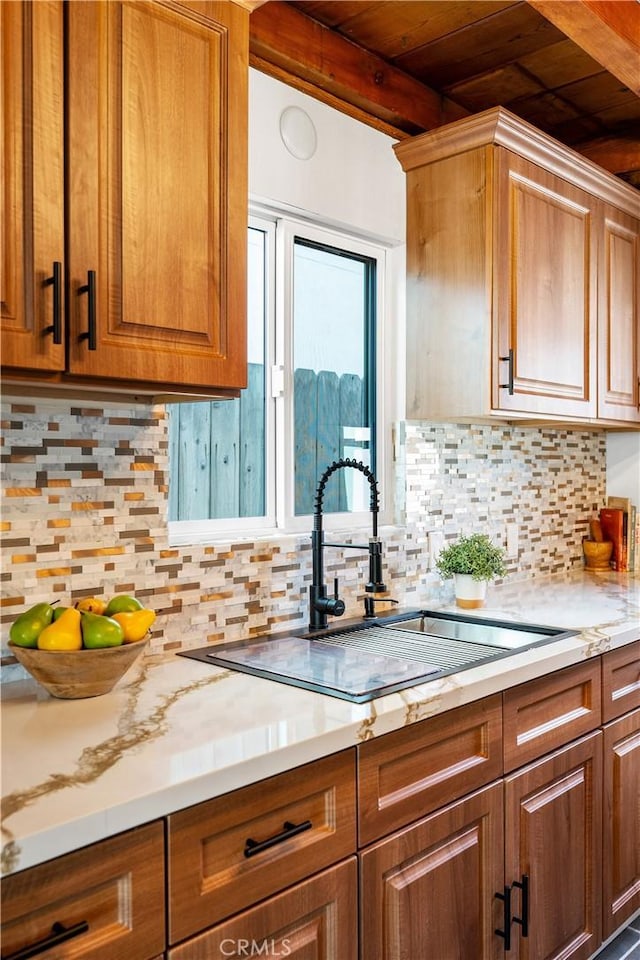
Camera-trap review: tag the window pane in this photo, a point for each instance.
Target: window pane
(333, 356)
(217, 448)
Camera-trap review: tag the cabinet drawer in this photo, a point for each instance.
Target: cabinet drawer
(115, 887)
(620, 681)
(316, 918)
(542, 715)
(406, 774)
(214, 868)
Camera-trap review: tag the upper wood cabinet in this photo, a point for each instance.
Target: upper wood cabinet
(544, 292)
(522, 278)
(619, 313)
(155, 195)
(32, 195)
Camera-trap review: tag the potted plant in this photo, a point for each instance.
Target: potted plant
(472, 562)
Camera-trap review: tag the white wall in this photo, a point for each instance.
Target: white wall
(353, 179)
(623, 465)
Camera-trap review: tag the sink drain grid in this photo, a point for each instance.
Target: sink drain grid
(409, 645)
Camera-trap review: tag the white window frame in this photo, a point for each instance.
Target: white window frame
(281, 228)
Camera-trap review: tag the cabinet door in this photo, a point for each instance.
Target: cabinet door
(429, 891)
(619, 318)
(621, 853)
(315, 919)
(553, 836)
(545, 296)
(32, 185)
(157, 191)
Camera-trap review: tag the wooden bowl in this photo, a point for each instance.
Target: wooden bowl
(597, 554)
(76, 674)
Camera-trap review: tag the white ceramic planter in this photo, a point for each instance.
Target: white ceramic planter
(470, 593)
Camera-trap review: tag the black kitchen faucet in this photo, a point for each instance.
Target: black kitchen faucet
(320, 605)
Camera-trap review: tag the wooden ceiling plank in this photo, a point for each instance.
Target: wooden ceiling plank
(330, 13)
(494, 42)
(395, 28)
(609, 30)
(303, 48)
(500, 86)
(560, 63)
(616, 154)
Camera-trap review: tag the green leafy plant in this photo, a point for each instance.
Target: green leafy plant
(474, 555)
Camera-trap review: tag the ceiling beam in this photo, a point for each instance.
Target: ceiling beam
(608, 30)
(333, 68)
(616, 154)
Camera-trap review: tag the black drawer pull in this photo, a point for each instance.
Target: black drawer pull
(56, 282)
(509, 385)
(90, 289)
(289, 830)
(506, 901)
(523, 885)
(59, 933)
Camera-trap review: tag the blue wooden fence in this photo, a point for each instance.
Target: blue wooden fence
(217, 447)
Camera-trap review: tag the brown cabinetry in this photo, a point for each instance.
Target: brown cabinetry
(522, 278)
(546, 713)
(104, 901)
(155, 197)
(413, 771)
(504, 827)
(553, 847)
(621, 848)
(428, 890)
(228, 853)
(32, 248)
(619, 317)
(317, 918)
(544, 292)
(620, 681)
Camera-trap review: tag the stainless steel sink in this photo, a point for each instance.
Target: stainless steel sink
(364, 660)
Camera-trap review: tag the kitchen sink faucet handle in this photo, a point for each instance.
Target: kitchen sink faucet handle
(370, 605)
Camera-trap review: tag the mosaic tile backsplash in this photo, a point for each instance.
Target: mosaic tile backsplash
(84, 512)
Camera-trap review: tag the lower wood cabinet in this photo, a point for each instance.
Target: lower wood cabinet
(427, 891)
(621, 823)
(108, 899)
(315, 919)
(505, 828)
(512, 870)
(230, 852)
(553, 848)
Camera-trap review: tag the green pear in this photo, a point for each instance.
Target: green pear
(100, 631)
(26, 628)
(122, 603)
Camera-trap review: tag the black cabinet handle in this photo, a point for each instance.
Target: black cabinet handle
(90, 289)
(509, 385)
(56, 282)
(289, 830)
(506, 902)
(523, 885)
(59, 933)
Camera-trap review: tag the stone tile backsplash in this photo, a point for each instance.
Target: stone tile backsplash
(85, 490)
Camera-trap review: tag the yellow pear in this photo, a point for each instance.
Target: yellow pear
(63, 634)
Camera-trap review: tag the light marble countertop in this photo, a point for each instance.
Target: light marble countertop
(175, 732)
